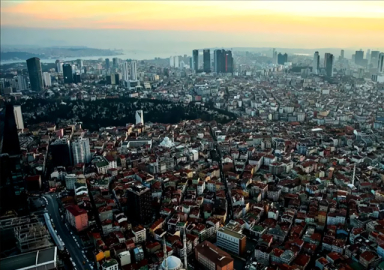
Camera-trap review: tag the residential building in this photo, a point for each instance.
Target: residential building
(81, 151)
(77, 217)
(212, 257)
(231, 240)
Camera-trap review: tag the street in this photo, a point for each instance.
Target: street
(74, 251)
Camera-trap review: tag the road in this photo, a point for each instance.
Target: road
(74, 251)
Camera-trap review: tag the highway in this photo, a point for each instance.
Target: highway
(74, 251)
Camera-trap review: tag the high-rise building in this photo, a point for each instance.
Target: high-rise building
(328, 64)
(171, 61)
(59, 66)
(368, 57)
(107, 63)
(47, 79)
(316, 63)
(139, 204)
(61, 153)
(18, 117)
(380, 64)
(195, 60)
(207, 60)
(81, 151)
(374, 58)
(117, 78)
(115, 62)
(139, 117)
(228, 62)
(67, 73)
(133, 70)
(342, 54)
(12, 186)
(22, 83)
(125, 71)
(177, 61)
(35, 74)
(359, 56)
(77, 78)
(219, 56)
(79, 63)
(282, 58)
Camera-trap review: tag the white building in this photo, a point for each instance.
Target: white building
(125, 258)
(139, 117)
(47, 79)
(133, 70)
(18, 117)
(125, 71)
(81, 151)
(231, 240)
(140, 234)
(110, 265)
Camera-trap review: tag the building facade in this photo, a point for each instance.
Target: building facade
(81, 151)
(35, 74)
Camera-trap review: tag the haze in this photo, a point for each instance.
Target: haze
(174, 26)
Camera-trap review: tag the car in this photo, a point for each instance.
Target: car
(83, 251)
(71, 232)
(71, 259)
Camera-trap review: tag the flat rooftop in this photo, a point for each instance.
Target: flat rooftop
(30, 260)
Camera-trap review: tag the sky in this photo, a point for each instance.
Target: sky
(171, 25)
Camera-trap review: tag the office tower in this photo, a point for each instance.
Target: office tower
(228, 61)
(219, 59)
(139, 204)
(359, 56)
(79, 63)
(207, 60)
(115, 62)
(274, 59)
(282, 58)
(133, 70)
(107, 63)
(21, 83)
(117, 78)
(47, 79)
(77, 78)
(368, 57)
(61, 153)
(67, 73)
(195, 60)
(112, 79)
(177, 61)
(139, 116)
(171, 61)
(125, 70)
(59, 66)
(35, 74)
(81, 151)
(374, 58)
(273, 53)
(18, 117)
(380, 64)
(342, 54)
(328, 64)
(12, 188)
(316, 63)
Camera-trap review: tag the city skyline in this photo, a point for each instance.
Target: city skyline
(314, 24)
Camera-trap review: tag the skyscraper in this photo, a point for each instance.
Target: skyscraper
(21, 83)
(81, 151)
(282, 58)
(316, 63)
(35, 74)
(195, 60)
(79, 63)
(115, 62)
(18, 117)
(125, 71)
(107, 63)
(219, 64)
(328, 64)
(139, 117)
(342, 54)
(207, 60)
(133, 70)
(61, 153)
(77, 78)
(67, 73)
(359, 56)
(374, 58)
(228, 62)
(12, 188)
(139, 204)
(47, 79)
(58, 66)
(380, 64)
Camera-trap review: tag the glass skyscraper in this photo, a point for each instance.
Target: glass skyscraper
(35, 74)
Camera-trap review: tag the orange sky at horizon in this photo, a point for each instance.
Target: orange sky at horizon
(351, 22)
